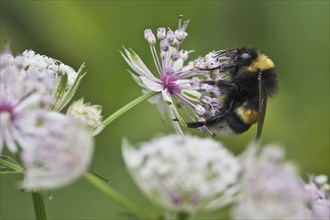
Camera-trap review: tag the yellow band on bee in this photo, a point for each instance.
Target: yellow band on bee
(261, 63)
(248, 115)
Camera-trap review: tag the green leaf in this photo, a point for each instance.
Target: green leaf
(9, 165)
(60, 90)
(7, 170)
(74, 87)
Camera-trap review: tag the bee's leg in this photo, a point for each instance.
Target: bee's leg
(211, 82)
(195, 124)
(226, 86)
(212, 133)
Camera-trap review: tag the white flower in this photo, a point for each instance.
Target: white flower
(88, 114)
(318, 191)
(65, 79)
(59, 154)
(184, 174)
(270, 187)
(55, 149)
(175, 85)
(21, 95)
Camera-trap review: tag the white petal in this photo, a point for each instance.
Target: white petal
(167, 97)
(30, 102)
(161, 108)
(177, 65)
(137, 80)
(10, 142)
(132, 65)
(135, 62)
(158, 100)
(152, 85)
(191, 94)
(183, 83)
(172, 113)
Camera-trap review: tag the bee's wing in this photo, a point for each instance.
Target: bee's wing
(262, 106)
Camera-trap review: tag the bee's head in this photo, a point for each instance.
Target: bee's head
(245, 56)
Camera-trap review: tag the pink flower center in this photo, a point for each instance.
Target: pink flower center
(6, 109)
(169, 83)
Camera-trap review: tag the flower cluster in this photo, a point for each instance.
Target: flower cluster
(178, 84)
(272, 189)
(318, 191)
(191, 174)
(184, 174)
(88, 114)
(59, 153)
(54, 148)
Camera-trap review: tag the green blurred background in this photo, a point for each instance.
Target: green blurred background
(294, 34)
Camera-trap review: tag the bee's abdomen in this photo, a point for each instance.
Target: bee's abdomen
(236, 123)
(247, 115)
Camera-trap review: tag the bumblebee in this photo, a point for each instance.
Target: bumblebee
(253, 80)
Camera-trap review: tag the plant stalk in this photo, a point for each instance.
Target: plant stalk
(182, 216)
(127, 107)
(114, 195)
(39, 206)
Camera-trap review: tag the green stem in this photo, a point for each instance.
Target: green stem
(127, 107)
(39, 206)
(117, 197)
(182, 216)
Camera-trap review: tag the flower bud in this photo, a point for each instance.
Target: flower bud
(164, 45)
(161, 33)
(170, 36)
(180, 35)
(87, 114)
(150, 37)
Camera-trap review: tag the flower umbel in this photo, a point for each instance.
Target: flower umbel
(318, 190)
(184, 174)
(54, 148)
(59, 154)
(65, 79)
(272, 189)
(22, 95)
(178, 84)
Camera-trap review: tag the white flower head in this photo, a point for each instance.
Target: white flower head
(174, 85)
(65, 79)
(318, 190)
(59, 154)
(55, 149)
(270, 186)
(21, 96)
(183, 174)
(88, 114)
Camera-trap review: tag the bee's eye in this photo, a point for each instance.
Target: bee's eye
(243, 59)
